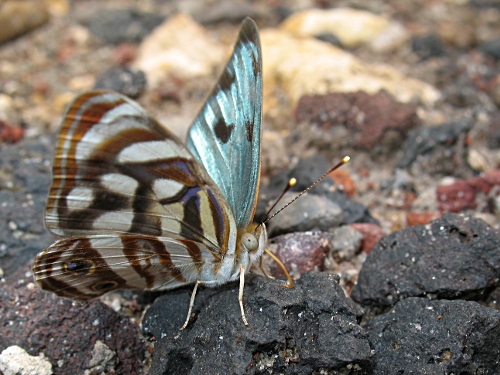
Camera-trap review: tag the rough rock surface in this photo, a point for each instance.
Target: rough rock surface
(451, 257)
(67, 332)
(419, 336)
(310, 327)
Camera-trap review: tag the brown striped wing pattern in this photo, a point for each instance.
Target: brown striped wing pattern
(139, 210)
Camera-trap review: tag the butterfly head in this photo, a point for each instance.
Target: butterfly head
(252, 241)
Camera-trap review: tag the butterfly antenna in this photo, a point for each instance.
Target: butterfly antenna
(292, 182)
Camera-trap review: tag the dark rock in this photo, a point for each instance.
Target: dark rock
(123, 80)
(367, 118)
(485, 3)
(117, 26)
(419, 336)
(452, 257)
(281, 12)
(491, 48)
(329, 38)
(441, 149)
(310, 327)
(427, 46)
(354, 212)
(70, 334)
(300, 252)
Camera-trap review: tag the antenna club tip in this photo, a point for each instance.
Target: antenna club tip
(346, 159)
(292, 181)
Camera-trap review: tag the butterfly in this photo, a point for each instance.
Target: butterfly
(138, 209)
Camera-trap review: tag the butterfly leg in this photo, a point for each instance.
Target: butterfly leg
(280, 263)
(240, 295)
(191, 303)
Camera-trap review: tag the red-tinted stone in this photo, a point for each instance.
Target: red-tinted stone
(367, 117)
(9, 133)
(343, 178)
(125, 53)
(409, 198)
(420, 218)
(371, 234)
(456, 197)
(461, 194)
(66, 331)
(300, 252)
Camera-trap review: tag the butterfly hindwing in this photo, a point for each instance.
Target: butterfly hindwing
(226, 134)
(87, 267)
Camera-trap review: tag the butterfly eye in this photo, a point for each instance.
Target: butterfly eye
(250, 242)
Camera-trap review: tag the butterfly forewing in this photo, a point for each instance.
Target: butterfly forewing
(116, 170)
(226, 134)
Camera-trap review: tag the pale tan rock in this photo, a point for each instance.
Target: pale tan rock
(19, 17)
(58, 8)
(181, 48)
(15, 360)
(352, 27)
(390, 39)
(305, 66)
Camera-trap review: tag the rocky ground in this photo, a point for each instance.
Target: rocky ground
(397, 255)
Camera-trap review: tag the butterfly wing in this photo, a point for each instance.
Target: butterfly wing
(118, 173)
(83, 268)
(225, 137)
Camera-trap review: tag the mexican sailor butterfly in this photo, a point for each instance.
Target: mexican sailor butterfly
(138, 209)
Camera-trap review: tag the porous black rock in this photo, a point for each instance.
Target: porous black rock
(451, 257)
(310, 327)
(420, 336)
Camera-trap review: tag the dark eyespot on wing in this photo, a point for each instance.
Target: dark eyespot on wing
(104, 286)
(79, 266)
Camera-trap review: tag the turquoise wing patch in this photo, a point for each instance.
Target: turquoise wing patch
(226, 135)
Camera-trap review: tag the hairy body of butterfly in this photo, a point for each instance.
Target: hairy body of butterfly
(140, 209)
